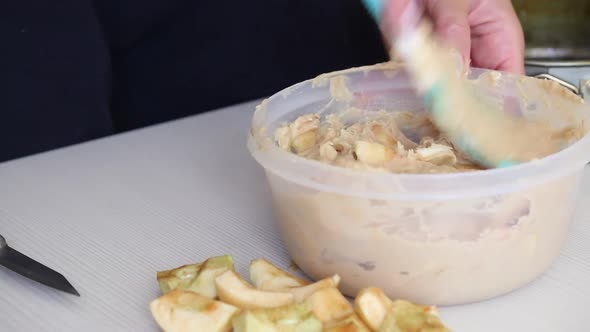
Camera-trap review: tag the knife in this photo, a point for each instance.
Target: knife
(25, 266)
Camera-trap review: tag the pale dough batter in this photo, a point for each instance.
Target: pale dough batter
(379, 144)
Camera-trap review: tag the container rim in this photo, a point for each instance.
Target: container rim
(485, 182)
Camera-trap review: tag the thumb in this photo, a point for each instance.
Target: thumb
(451, 24)
(401, 14)
(450, 19)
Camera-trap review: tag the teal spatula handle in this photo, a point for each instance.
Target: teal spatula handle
(375, 8)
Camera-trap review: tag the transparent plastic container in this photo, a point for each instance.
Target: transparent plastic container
(437, 239)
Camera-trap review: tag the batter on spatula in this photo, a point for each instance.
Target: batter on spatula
(479, 126)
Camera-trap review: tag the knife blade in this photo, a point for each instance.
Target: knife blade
(28, 267)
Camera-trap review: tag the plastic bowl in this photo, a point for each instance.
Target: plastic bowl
(438, 239)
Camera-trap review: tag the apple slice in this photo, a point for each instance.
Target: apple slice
(405, 316)
(232, 289)
(372, 306)
(303, 292)
(199, 278)
(294, 317)
(382, 314)
(350, 324)
(213, 267)
(266, 276)
(329, 305)
(180, 277)
(247, 322)
(311, 324)
(181, 310)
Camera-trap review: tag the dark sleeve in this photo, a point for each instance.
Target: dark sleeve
(178, 57)
(75, 70)
(54, 76)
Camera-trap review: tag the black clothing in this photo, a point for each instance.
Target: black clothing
(74, 70)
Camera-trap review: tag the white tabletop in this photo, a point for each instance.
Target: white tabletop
(110, 213)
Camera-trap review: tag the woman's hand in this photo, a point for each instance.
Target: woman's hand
(487, 33)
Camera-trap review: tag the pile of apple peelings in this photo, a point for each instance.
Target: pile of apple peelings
(211, 297)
